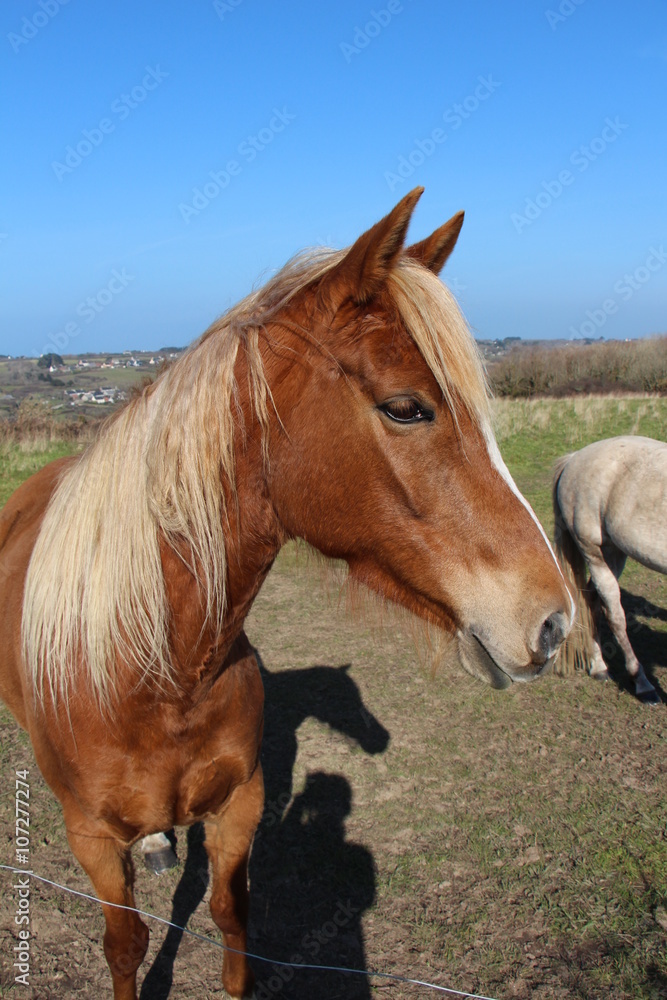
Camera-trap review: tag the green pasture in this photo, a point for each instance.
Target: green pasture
(18, 462)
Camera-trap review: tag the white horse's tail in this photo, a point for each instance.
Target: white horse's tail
(577, 651)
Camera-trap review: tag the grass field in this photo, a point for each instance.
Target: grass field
(512, 844)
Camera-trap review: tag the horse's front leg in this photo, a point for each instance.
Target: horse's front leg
(228, 840)
(108, 864)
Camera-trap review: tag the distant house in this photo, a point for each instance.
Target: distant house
(107, 394)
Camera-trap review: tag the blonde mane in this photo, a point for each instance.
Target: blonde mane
(95, 593)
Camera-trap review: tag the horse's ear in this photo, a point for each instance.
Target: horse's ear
(436, 248)
(365, 268)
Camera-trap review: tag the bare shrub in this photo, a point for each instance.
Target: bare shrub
(616, 366)
(35, 426)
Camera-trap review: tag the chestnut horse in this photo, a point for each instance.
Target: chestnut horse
(343, 403)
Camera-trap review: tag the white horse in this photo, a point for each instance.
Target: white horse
(610, 502)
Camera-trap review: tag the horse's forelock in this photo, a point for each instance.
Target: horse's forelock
(435, 322)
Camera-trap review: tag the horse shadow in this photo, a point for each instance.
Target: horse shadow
(648, 643)
(189, 893)
(310, 886)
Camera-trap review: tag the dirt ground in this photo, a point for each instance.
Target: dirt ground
(513, 844)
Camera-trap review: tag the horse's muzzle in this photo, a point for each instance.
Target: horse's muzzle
(477, 660)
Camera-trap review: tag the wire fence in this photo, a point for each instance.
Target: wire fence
(259, 958)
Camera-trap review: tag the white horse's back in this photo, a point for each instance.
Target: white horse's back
(616, 491)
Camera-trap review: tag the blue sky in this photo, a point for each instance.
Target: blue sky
(302, 124)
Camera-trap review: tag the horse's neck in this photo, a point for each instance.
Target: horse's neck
(254, 538)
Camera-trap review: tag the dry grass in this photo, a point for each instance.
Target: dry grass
(579, 420)
(511, 843)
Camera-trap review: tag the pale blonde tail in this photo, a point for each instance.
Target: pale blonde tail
(577, 651)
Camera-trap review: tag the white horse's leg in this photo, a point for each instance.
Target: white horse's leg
(158, 853)
(605, 582)
(597, 667)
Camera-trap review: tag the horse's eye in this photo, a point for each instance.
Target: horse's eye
(406, 411)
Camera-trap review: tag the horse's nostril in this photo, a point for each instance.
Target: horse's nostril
(552, 633)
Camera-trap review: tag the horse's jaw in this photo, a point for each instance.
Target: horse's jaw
(477, 660)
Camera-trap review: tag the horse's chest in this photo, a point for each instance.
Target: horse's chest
(221, 752)
(176, 765)
(207, 780)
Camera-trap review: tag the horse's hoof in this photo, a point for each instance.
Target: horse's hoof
(252, 995)
(160, 861)
(650, 698)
